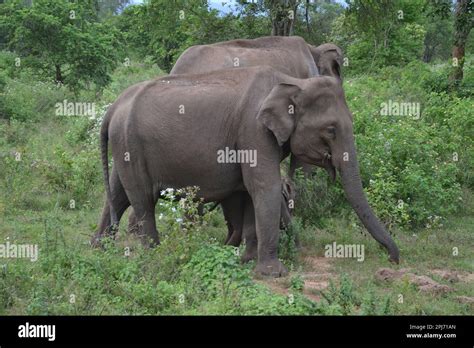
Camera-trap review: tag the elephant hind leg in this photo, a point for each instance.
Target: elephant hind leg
(145, 217)
(133, 223)
(143, 202)
(233, 209)
(119, 201)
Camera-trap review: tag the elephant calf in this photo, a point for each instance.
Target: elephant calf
(168, 133)
(233, 212)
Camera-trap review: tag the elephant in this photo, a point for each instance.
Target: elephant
(171, 131)
(290, 55)
(328, 58)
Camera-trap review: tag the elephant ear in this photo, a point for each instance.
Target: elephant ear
(278, 110)
(336, 61)
(336, 64)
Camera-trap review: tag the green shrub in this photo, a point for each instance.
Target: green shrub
(317, 198)
(72, 174)
(341, 299)
(27, 99)
(215, 272)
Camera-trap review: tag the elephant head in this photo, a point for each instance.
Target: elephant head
(328, 59)
(320, 132)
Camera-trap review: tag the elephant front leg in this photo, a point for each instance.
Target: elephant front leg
(249, 231)
(267, 221)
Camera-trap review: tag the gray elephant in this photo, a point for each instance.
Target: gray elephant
(168, 132)
(290, 55)
(328, 58)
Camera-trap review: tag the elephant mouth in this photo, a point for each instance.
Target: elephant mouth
(324, 161)
(328, 165)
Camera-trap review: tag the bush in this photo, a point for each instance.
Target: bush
(29, 100)
(317, 198)
(74, 175)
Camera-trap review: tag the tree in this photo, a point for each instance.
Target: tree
(283, 15)
(463, 23)
(315, 21)
(64, 40)
(384, 32)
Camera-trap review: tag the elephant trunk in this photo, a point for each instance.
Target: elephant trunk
(352, 184)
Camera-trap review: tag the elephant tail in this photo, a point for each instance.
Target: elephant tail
(104, 139)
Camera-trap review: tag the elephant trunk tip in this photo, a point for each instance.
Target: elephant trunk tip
(394, 255)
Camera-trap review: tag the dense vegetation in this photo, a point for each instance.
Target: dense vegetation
(417, 169)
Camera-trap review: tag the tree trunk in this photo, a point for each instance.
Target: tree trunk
(283, 15)
(463, 22)
(306, 15)
(59, 75)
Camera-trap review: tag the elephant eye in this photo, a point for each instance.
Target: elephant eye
(331, 131)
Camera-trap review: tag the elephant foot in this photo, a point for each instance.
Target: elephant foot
(109, 232)
(96, 242)
(150, 241)
(234, 241)
(273, 268)
(249, 255)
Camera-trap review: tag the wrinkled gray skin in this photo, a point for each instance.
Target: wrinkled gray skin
(241, 109)
(290, 55)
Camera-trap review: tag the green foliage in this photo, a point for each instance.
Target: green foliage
(216, 272)
(316, 198)
(297, 283)
(372, 304)
(324, 13)
(72, 174)
(287, 248)
(163, 29)
(26, 99)
(341, 299)
(63, 41)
